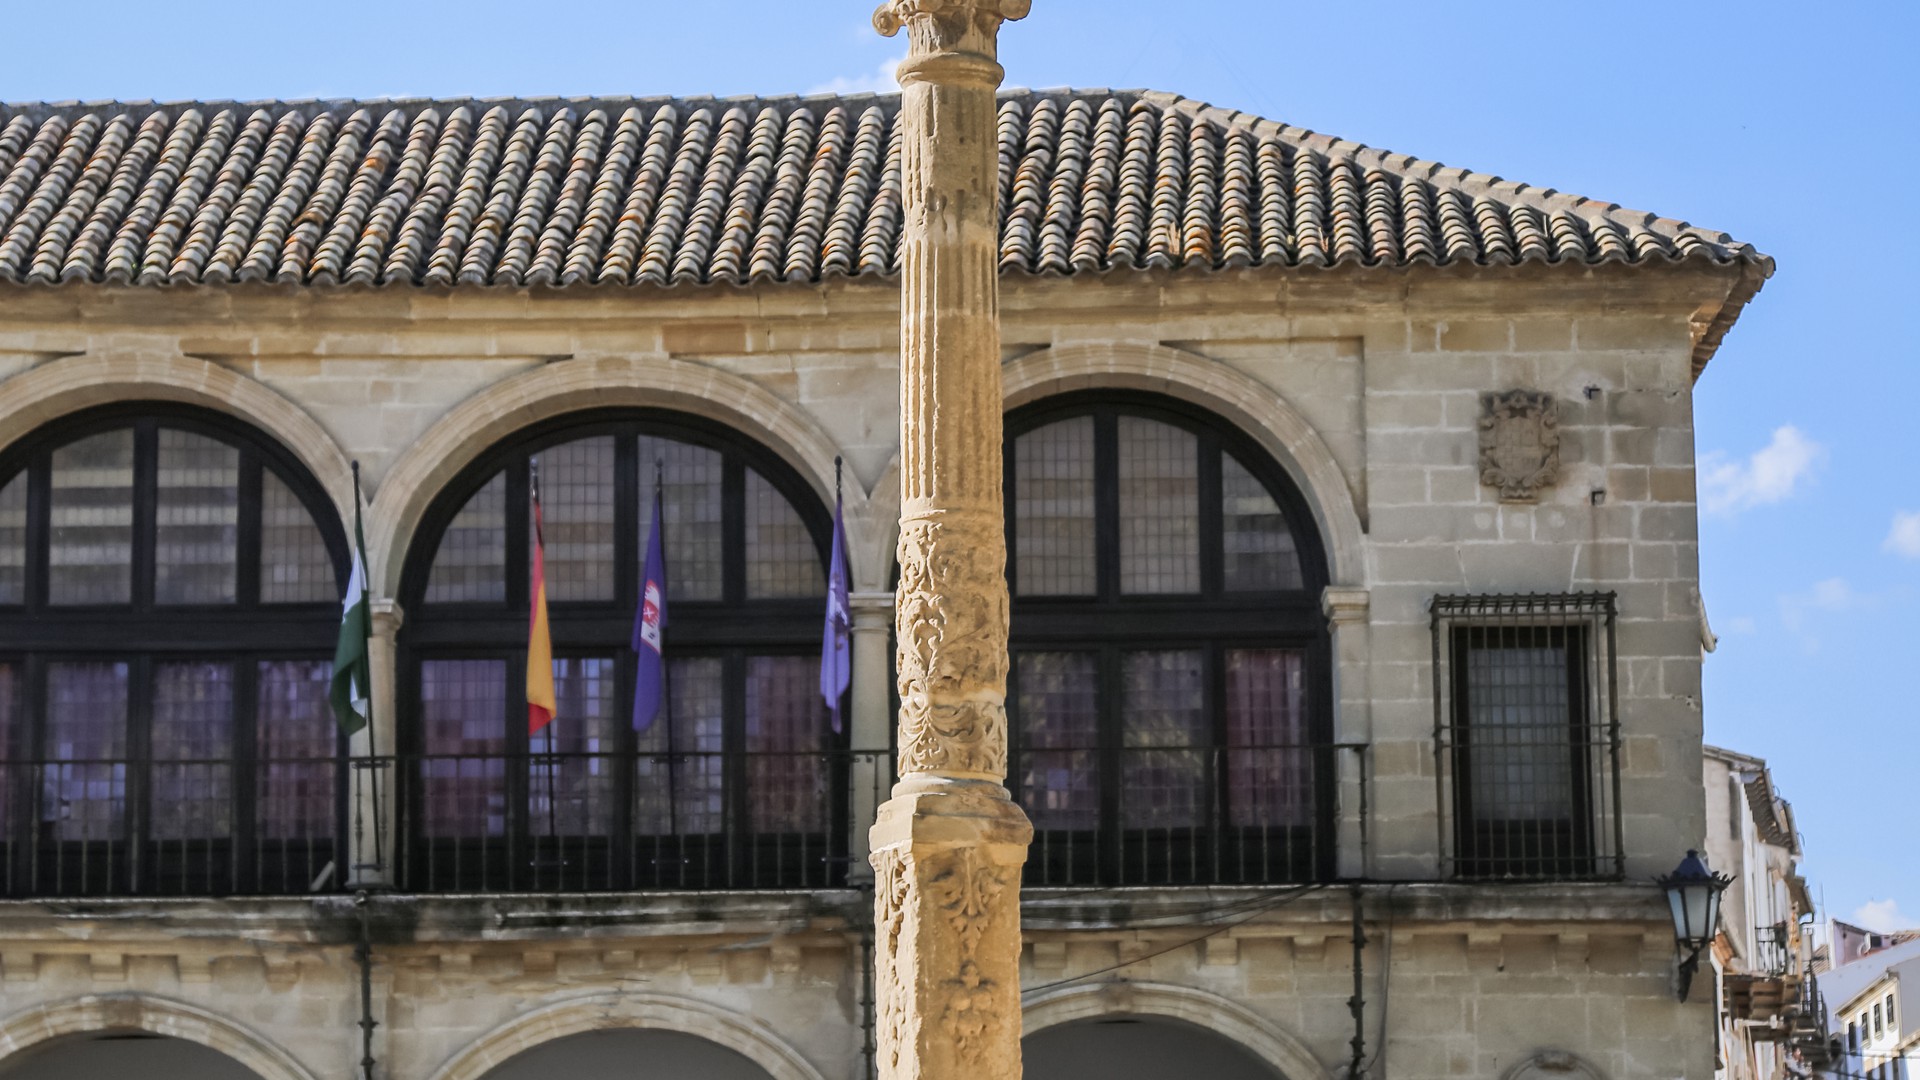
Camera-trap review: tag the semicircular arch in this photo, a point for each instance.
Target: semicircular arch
(1227, 1019)
(1257, 410)
(493, 414)
(601, 1012)
(154, 1015)
(33, 398)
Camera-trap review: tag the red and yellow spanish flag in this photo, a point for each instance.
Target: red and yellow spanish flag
(540, 700)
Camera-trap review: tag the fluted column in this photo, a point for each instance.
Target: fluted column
(948, 846)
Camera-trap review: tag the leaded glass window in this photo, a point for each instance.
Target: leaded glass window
(169, 603)
(1168, 692)
(737, 782)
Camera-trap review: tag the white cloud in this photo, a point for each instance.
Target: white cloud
(1882, 915)
(1770, 475)
(1741, 624)
(879, 81)
(1904, 537)
(1831, 596)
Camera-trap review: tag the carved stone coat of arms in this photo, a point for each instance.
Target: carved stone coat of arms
(1519, 443)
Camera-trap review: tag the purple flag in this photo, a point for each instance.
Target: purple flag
(650, 681)
(836, 658)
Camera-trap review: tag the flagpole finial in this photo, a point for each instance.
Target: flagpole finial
(836, 477)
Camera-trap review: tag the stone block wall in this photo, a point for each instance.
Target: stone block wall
(1364, 385)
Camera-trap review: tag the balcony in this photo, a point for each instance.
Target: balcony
(540, 822)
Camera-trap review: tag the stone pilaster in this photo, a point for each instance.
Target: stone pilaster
(948, 846)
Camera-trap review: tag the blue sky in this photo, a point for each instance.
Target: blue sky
(1791, 126)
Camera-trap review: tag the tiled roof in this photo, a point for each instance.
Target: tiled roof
(671, 191)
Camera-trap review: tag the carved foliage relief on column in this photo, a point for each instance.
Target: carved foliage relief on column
(953, 656)
(967, 890)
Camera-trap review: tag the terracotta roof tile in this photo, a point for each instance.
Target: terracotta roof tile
(695, 191)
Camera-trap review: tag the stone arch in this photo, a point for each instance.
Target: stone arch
(1256, 409)
(1259, 1036)
(592, 383)
(600, 1012)
(55, 389)
(1553, 1065)
(155, 1015)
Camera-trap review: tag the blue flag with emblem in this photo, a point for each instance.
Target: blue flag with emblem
(650, 680)
(836, 653)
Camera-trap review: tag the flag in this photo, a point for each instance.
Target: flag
(836, 658)
(540, 700)
(650, 681)
(350, 694)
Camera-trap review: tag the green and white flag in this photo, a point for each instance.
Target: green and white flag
(352, 675)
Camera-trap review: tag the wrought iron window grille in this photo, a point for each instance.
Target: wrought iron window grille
(1526, 731)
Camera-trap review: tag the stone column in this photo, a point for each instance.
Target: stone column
(948, 846)
(1346, 608)
(872, 715)
(370, 834)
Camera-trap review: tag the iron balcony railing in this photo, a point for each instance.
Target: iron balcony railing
(583, 822)
(1186, 815)
(580, 822)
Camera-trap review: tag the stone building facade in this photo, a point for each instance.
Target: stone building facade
(1415, 772)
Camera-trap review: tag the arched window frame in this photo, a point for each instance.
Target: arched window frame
(1214, 619)
(142, 634)
(732, 627)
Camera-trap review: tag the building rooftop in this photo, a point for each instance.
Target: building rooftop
(686, 191)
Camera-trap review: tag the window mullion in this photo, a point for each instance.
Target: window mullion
(1212, 529)
(39, 528)
(1106, 505)
(518, 519)
(244, 781)
(247, 530)
(138, 753)
(146, 494)
(1109, 705)
(733, 531)
(630, 495)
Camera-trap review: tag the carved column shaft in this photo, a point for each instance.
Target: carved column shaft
(947, 847)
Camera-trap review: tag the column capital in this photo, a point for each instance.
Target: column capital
(982, 15)
(386, 616)
(1345, 605)
(950, 41)
(872, 611)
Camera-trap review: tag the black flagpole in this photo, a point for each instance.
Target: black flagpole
(533, 475)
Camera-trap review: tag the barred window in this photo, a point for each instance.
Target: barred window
(1527, 735)
(735, 783)
(1167, 696)
(169, 602)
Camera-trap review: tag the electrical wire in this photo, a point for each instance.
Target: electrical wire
(1386, 990)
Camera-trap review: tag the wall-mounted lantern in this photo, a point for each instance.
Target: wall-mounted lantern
(1693, 892)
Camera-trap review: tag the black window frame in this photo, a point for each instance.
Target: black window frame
(1213, 620)
(1589, 844)
(733, 628)
(142, 633)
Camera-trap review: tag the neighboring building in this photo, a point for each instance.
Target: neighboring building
(1871, 1001)
(1852, 942)
(1355, 693)
(1770, 1018)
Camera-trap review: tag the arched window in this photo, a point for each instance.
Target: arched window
(169, 602)
(1169, 688)
(737, 784)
